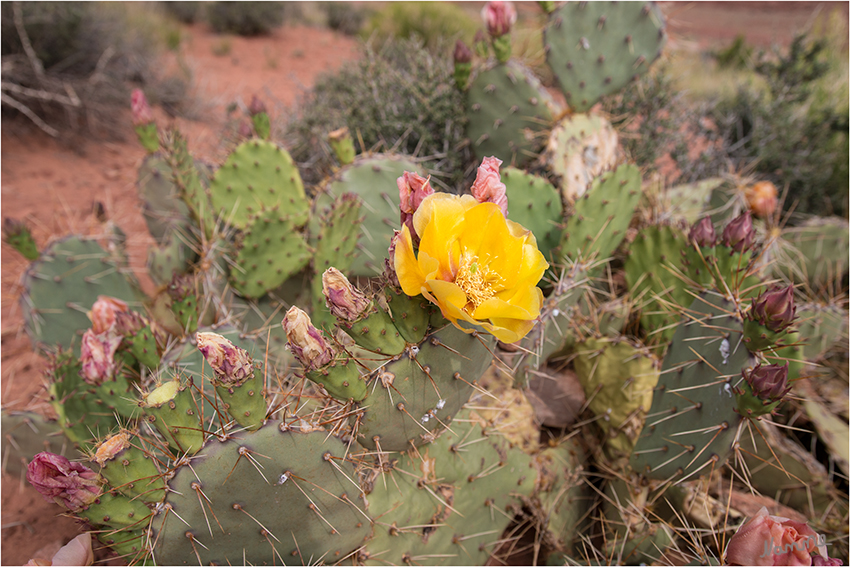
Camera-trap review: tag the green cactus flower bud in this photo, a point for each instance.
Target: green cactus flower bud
(342, 145)
(481, 45)
(17, 235)
(463, 65)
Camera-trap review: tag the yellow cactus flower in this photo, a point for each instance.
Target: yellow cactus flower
(478, 267)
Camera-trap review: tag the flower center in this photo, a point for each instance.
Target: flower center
(476, 280)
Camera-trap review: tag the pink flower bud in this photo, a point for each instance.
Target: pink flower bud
(775, 309)
(344, 300)
(97, 353)
(462, 52)
(499, 17)
(772, 540)
(739, 233)
(762, 197)
(103, 312)
(257, 106)
(769, 383)
(142, 113)
(702, 233)
(245, 129)
(488, 186)
(306, 342)
(412, 190)
(827, 561)
(57, 479)
(231, 364)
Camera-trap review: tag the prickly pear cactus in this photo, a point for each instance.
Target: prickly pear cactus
(596, 48)
(536, 205)
(62, 285)
(508, 112)
(693, 421)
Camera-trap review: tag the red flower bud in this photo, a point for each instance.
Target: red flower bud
(343, 299)
(257, 106)
(775, 309)
(462, 52)
(488, 186)
(306, 342)
(499, 17)
(142, 113)
(57, 479)
(231, 364)
(702, 233)
(769, 383)
(739, 233)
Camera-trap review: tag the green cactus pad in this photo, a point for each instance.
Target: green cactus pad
(62, 285)
(373, 179)
(335, 247)
(116, 511)
(600, 218)
(534, 203)
(655, 280)
(689, 201)
(692, 422)
(187, 177)
(822, 327)
(25, 434)
(410, 315)
(175, 409)
(164, 210)
(509, 113)
(581, 148)
(270, 252)
(258, 175)
(596, 48)
(169, 259)
(427, 388)
(814, 254)
(134, 473)
(618, 378)
(277, 497)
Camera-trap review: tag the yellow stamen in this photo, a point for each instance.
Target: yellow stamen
(476, 280)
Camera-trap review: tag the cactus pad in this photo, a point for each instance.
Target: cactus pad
(596, 48)
(535, 204)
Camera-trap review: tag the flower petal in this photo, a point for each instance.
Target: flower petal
(406, 266)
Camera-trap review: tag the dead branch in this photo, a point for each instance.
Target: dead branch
(39, 94)
(6, 99)
(25, 41)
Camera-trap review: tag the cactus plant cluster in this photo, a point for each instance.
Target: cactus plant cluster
(336, 374)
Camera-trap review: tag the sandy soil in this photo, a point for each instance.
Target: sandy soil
(53, 187)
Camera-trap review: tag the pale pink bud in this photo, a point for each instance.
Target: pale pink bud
(305, 341)
(499, 17)
(343, 299)
(57, 479)
(488, 186)
(142, 113)
(231, 364)
(772, 540)
(412, 190)
(97, 354)
(103, 312)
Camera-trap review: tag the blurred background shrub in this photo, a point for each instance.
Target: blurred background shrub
(245, 18)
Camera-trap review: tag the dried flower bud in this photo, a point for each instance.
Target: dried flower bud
(343, 299)
(739, 233)
(412, 190)
(762, 197)
(111, 446)
(769, 383)
(57, 479)
(306, 342)
(231, 364)
(499, 17)
(775, 309)
(257, 106)
(488, 186)
(462, 52)
(103, 312)
(702, 233)
(97, 354)
(128, 323)
(181, 286)
(390, 274)
(142, 113)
